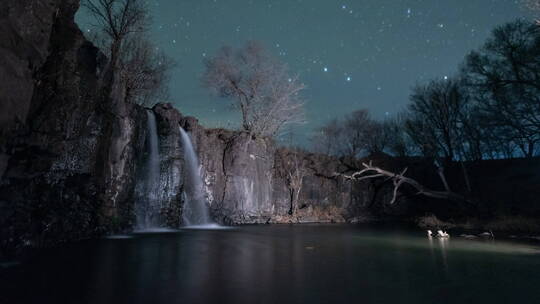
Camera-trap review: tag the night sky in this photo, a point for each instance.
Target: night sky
(350, 54)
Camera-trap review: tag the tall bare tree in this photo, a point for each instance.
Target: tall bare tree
(268, 98)
(328, 138)
(354, 135)
(504, 76)
(135, 64)
(117, 19)
(398, 142)
(434, 122)
(145, 71)
(296, 172)
(356, 128)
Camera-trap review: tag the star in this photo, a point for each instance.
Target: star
(367, 42)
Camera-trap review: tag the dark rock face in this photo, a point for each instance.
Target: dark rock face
(52, 189)
(238, 175)
(171, 162)
(25, 36)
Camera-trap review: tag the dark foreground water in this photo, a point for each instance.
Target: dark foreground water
(278, 264)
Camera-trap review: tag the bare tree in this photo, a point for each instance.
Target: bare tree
(504, 76)
(354, 135)
(435, 118)
(117, 19)
(296, 172)
(135, 64)
(378, 138)
(356, 128)
(268, 98)
(398, 141)
(357, 134)
(144, 71)
(327, 139)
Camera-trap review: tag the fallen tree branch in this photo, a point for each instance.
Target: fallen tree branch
(399, 179)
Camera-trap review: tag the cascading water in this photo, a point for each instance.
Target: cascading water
(148, 207)
(195, 211)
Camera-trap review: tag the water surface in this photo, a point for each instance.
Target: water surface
(278, 264)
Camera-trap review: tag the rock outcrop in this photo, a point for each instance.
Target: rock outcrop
(68, 160)
(247, 180)
(25, 39)
(171, 163)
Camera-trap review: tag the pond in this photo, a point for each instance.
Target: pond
(278, 264)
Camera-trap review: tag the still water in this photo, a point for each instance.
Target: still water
(278, 264)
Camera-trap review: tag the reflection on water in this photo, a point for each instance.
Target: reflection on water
(207, 227)
(279, 264)
(119, 237)
(155, 230)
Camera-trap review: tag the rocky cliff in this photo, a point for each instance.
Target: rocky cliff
(71, 159)
(248, 180)
(54, 126)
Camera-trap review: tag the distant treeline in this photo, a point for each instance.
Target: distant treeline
(489, 110)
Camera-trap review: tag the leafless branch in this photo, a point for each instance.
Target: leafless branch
(268, 98)
(117, 19)
(145, 71)
(369, 171)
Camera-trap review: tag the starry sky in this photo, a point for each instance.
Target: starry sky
(350, 54)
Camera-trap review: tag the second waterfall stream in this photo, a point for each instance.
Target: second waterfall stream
(195, 212)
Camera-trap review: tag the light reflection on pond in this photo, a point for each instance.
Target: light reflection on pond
(280, 264)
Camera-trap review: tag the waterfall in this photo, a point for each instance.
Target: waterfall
(195, 211)
(148, 206)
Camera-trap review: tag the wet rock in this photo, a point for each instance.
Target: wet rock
(171, 162)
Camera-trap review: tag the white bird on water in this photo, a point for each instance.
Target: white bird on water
(442, 234)
(429, 233)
